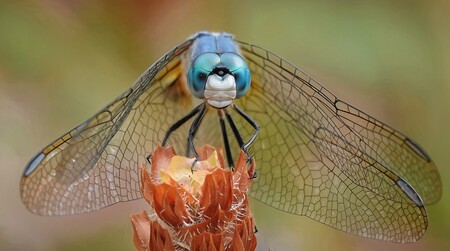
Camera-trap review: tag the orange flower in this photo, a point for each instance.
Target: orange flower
(204, 209)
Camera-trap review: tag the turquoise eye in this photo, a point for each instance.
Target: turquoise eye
(198, 73)
(239, 68)
(242, 78)
(203, 65)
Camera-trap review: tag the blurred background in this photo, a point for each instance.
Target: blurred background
(61, 61)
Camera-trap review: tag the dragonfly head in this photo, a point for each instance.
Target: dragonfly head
(219, 78)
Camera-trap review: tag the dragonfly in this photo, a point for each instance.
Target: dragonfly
(317, 156)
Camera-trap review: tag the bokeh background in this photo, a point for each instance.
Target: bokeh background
(60, 61)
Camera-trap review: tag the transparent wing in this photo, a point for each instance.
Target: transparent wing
(320, 157)
(96, 164)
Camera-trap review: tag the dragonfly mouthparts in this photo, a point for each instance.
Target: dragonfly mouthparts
(220, 91)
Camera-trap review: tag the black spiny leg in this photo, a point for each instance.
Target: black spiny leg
(225, 139)
(177, 125)
(188, 148)
(236, 133)
(181, 122)
(193, 129)
(252, 123)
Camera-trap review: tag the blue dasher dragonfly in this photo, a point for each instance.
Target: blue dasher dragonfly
(316, 155)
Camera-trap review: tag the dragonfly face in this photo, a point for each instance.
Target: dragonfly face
(316, 155)
(219, 78)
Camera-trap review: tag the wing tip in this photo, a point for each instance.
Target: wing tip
(410, 192)
(417, 149)
(33, 164)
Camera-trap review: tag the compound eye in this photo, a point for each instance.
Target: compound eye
(239, 69)
(201, 67)
(233, 61)
(197, 81)
(243, 80)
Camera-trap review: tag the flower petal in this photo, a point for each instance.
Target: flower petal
(160, 238)
(217, 191)
(161, 157)
(207, 241)
(205, 152)
(141, 230)
(147, 186)
(244, 236)
(241, 174)
(169, 205)
(186, 195)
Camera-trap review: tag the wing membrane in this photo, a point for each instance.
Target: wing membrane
(319, 157)
(95, 164)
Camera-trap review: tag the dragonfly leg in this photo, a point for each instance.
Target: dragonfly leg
(193, 129)
(188, 148)
(225, 139)
(236, 133)
(253, 124)
(238, 136)
(181, 122)
(175, 126)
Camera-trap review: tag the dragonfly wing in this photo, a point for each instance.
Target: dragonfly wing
(318, 156)
(96, 164)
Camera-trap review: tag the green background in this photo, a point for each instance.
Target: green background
(60, 61)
